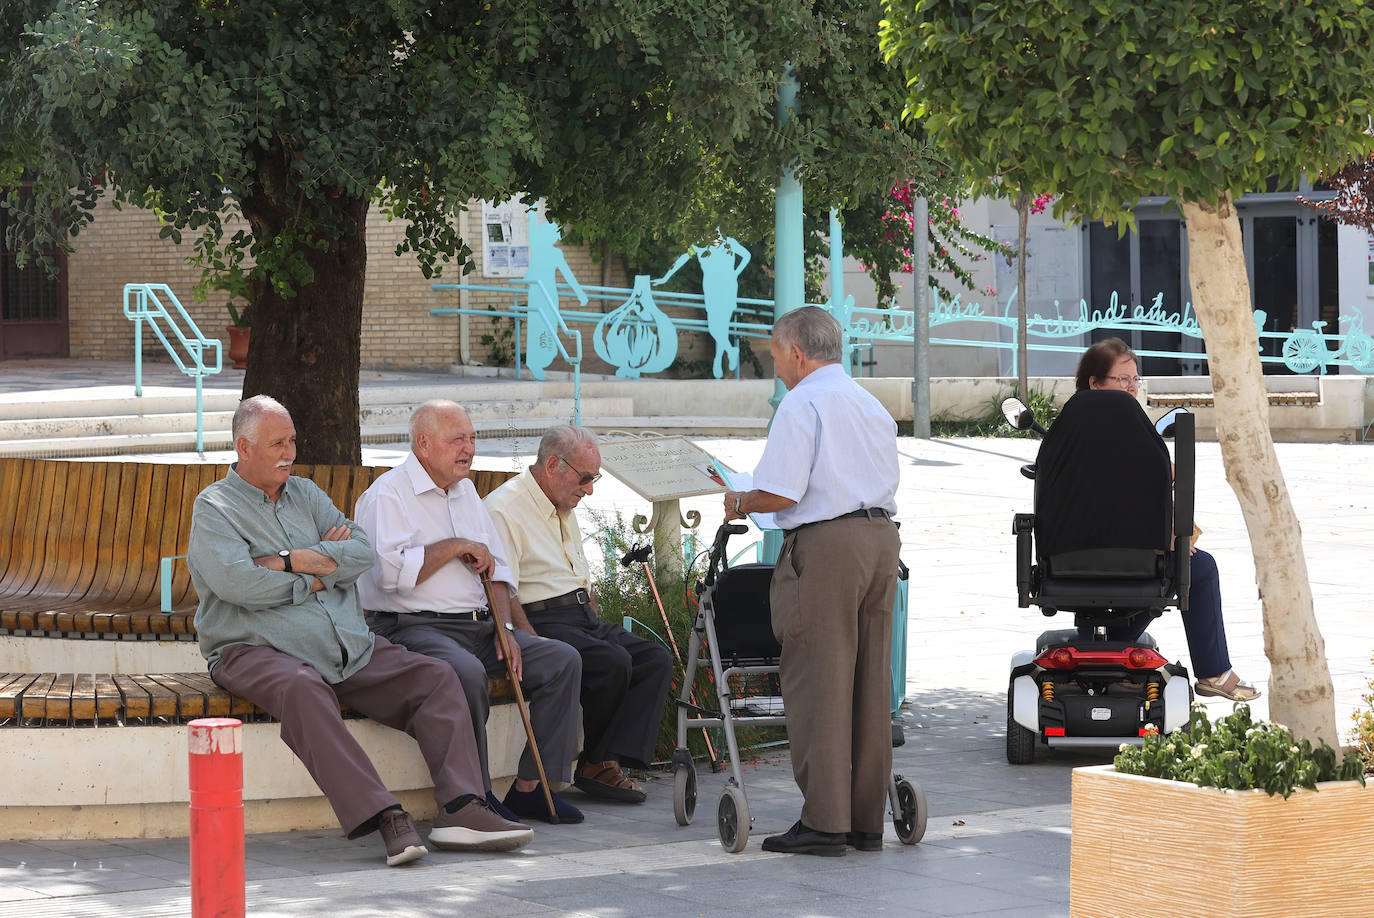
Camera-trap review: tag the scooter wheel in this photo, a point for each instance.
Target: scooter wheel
(1020, 741)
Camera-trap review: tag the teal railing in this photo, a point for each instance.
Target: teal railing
(180, 337)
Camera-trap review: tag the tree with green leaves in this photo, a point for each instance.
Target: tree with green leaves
(301, 115)
(1103, 102)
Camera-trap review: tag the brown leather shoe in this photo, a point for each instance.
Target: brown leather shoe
(607, 781)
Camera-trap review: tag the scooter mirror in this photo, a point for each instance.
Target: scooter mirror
(1017, 414)
(1165, 425)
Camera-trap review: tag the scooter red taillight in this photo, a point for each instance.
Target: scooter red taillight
(1075, 657)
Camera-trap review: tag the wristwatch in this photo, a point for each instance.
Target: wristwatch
(739, 496)
(285, 555)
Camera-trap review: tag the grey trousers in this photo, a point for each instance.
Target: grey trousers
(404, 690)
(552, 671)
(831, 598)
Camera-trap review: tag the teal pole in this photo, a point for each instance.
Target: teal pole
(789, 260)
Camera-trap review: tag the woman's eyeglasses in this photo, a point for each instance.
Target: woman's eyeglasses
(1125, 380)
(585, 479)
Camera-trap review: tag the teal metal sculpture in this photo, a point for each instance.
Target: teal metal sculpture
(721, 264)
(546, 263)
(636, 337)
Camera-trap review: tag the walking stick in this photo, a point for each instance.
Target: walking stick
(519, 697)
(641, 555)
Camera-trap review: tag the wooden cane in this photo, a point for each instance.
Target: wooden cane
(500, 628)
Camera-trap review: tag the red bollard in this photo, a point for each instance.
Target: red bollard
(217, 880)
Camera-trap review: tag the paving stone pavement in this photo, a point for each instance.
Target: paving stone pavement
(997, 842)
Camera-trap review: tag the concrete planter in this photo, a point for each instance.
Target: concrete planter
(1147, 846)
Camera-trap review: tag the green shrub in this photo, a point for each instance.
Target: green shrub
(1239, 753)
(993, 423)
(1363, 737)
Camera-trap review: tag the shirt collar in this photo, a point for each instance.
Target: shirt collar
(419, 478)
(536, 494)
(251, 491)
(821, 374)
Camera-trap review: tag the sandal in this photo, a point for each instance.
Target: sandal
(1227, 685)
(607, 781)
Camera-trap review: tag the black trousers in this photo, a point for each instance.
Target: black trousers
(625, 681)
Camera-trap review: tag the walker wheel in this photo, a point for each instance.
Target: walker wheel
(684, 793)
(909, 809)
(732, 819)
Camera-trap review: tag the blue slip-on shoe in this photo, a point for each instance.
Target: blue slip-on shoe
(532, 805)
(499, 809)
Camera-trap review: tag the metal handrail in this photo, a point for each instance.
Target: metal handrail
(147, 306)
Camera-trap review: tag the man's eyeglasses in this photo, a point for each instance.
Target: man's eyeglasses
(1125, 380)
(585, 479)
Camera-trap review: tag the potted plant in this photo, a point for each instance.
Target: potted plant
(239, 329)
(1231, 818)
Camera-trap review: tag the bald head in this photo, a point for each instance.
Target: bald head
(444, 441)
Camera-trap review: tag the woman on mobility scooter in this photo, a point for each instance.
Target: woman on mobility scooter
(1111, 364)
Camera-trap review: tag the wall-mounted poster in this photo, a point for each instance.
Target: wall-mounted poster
(506, 238)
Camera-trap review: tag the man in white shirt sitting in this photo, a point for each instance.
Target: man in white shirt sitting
(434, 540)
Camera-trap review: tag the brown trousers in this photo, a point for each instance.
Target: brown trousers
(831, 598)
(404, 690)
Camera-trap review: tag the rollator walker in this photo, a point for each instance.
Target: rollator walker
(734, 625)
(1108, 542)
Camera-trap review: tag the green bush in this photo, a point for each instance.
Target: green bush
(1363, 737)
(1239, 753)
(992, 423)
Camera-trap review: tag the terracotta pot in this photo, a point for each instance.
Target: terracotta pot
(238, 344)
(1147, 846)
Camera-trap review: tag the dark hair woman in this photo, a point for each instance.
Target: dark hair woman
(1111, 364)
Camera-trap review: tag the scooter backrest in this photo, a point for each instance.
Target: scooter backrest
(1103, 490)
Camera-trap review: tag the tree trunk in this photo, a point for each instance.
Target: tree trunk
(1300, 690)
(1022, 352)
(306, 349)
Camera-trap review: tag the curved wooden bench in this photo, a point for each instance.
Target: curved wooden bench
(81, 542)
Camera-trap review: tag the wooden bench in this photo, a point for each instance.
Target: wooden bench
(126, 699)
(81, 550)
(81, 542)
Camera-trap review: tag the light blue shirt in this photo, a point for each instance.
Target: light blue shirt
(243, 603)
(832, 449)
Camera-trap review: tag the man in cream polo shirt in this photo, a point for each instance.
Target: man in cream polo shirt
(624, 678)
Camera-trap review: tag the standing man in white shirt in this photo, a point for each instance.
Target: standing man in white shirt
(434, 540)
(624, 677)
(830, 472)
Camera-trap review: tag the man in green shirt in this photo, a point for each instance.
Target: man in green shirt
(275, 564)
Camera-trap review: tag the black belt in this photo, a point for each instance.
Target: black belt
(477, 615)
(575, 598)
(872, 513)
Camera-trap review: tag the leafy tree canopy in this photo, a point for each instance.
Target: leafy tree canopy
(302, 114)
(1104, 102)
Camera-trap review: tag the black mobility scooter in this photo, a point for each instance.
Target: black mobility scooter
(1109, 543)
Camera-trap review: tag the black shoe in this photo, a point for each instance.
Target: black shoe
(801, 840)
(864, 841)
